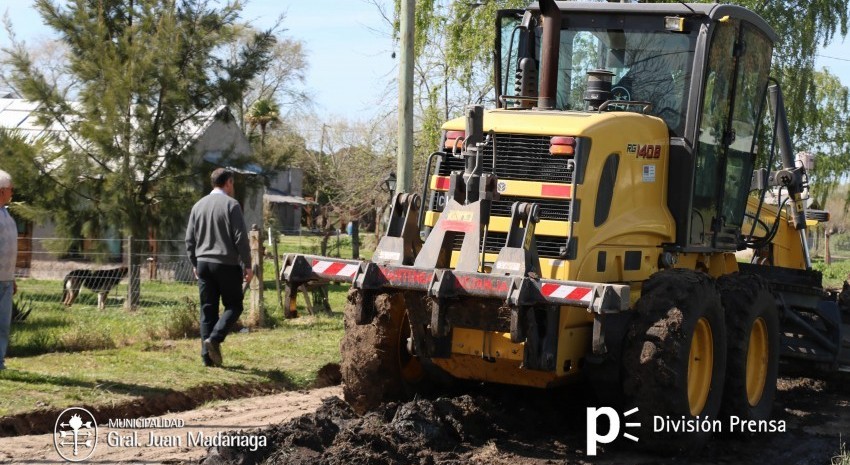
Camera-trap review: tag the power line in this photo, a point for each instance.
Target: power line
(834, 58)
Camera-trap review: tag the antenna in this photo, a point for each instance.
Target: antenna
(688, 7)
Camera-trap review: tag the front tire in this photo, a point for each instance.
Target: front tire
(375, 362)
(675, 358)
(752, 325)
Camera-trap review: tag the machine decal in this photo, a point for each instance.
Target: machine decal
(648, 173)
(334, 268)
(644, 150)
(460, 221)
(384, 255)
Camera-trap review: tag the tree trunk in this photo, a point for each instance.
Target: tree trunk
(326, 236)
(355, 239)
(378, 211)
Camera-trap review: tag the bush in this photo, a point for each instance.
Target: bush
(80, 339)
(183, 321)
(835, 274)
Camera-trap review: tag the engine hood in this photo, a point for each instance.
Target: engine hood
(567, 123)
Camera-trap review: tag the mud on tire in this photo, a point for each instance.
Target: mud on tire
(747, 299)
(375, 364)
(656, 358)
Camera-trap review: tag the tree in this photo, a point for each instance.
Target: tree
(263, 113)
(281, 81)
(453, 48)
(454, 41)
(144, 72)
(347, 170)
(827, 136)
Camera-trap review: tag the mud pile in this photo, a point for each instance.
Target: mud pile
(515, 426)
(421, 431)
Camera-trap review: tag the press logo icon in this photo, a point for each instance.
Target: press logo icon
(75, 434)
(594, 438)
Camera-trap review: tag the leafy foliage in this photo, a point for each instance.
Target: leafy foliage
(145, 74)
(454, 41)
(827, 136)
(454, 60)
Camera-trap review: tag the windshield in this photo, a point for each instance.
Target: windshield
(649, 63)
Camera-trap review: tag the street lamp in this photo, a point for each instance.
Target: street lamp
(389, 183)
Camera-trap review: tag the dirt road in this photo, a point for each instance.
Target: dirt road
(242, 414)
(488, 426)
(510, 426)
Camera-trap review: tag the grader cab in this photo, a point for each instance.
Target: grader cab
(586, 228)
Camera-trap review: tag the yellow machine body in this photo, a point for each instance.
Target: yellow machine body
(638, 222)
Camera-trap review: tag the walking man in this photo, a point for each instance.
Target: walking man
(217, 244)
(8, 258)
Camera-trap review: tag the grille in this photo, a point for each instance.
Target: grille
(547, 246)
(520, 157)
(549, 209)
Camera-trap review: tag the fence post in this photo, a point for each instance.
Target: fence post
(274, 240)
(134, 284)
(257, 316)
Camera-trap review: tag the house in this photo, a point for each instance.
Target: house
(284, 201)
(214, 141)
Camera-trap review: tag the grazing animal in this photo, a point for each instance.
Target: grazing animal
(99, 281)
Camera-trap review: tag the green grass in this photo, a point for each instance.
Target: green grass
(167, 311)
(287, 356)
(61, 356)
(311, 245)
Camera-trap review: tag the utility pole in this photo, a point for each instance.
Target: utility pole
(404, 167)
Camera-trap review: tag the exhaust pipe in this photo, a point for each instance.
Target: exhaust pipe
(549, 53)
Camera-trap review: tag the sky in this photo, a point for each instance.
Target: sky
(348, 48)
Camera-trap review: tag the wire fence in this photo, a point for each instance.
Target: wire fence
(85, 273)
(96, 273)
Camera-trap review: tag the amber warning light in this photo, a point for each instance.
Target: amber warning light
(454, 140)
(560, 145)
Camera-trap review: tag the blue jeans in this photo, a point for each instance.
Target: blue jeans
(6, 290)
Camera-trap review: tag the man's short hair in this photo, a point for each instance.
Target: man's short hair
(220, 176)
(5, 179)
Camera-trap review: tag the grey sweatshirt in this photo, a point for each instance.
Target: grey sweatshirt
(8, 245)
(216, 232)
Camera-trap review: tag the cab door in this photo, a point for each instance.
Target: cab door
(732, 105)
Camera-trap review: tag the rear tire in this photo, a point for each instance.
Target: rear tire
(375, 363)
(675, 359)
(752, 326)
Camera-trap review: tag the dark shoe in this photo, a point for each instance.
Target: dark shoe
(214, 352)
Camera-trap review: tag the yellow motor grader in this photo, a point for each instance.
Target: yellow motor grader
(587, 226)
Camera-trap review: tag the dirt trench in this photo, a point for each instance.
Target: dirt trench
(514, 426)
(43, 421)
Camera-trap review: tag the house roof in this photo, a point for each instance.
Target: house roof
(20, 115)
(276, 196)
